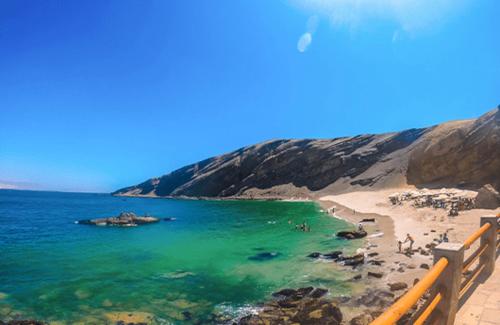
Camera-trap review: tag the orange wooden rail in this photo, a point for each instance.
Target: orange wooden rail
(407, 301)
(428, 311)
(472, 238)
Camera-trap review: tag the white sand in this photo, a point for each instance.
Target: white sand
(395, 221)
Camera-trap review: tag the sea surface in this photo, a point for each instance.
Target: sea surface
(217, 260)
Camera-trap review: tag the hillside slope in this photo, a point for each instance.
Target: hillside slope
(460, 153)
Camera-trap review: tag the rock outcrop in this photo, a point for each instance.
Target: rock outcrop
(454, 154)
(297, 306)
(487, 197)
(352, 234)
(125, 219)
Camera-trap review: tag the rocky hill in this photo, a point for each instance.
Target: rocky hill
(455, 154)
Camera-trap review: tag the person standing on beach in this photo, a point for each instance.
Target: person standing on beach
(400, 245)
(360, 227)
(411, 240)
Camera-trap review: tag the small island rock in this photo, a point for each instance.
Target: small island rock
(125, 219)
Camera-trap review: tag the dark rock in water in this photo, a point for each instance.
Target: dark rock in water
(375, 275)
(375, 262)
(352, 260)
(318, 293)
(302, 292)
(333, 255)
(314, 255)
(125, 219)
(187, 315)
(284, 293)
(398, 286)
(356, 277)
(265, 256)
(368, 220)
(372, 254)
(352, 234)
(291, 296)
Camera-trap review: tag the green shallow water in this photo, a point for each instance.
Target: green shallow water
(55, 270)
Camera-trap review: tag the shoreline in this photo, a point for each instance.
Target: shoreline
(392, 223)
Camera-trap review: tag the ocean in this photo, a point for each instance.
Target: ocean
(216, 261)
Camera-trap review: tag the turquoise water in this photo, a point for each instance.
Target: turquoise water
(55, 270)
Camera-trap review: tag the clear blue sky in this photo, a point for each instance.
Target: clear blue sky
(96, 95)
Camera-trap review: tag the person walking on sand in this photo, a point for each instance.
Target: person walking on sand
(411, 240)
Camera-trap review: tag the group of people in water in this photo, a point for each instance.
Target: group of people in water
(302, 227)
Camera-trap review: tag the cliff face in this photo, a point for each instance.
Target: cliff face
(455, 153)
(466, 153)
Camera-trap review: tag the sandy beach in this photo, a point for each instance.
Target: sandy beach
(392, 223)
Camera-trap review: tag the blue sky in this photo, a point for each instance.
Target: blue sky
(96, 95)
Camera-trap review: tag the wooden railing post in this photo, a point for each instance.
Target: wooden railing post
(448, 284)
(490, 238)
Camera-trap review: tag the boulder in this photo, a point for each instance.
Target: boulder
(352, 234)
(314, 255)
(332, 255)
(321, 312)
(363, 319)
(352, 260)
(284, 293)
(375, 275)
(424, 266)
(318, 293)
(302, 292)
(398, 286)
(302, 306)
(487, 198)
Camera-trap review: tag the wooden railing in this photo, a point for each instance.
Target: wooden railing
(438, 294)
